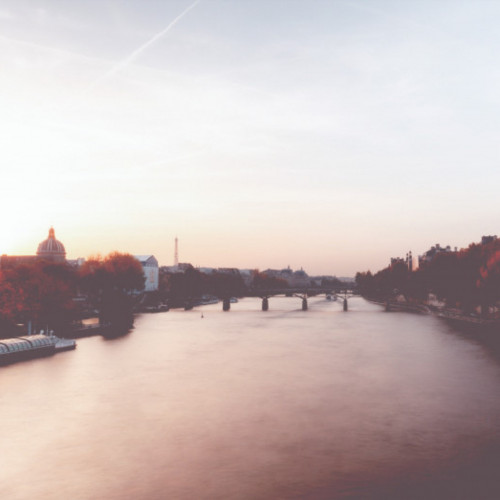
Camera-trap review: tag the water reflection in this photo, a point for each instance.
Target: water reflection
(257, 405)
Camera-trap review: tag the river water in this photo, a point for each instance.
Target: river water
(283, 404)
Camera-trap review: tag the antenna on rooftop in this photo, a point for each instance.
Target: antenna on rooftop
(176, 254)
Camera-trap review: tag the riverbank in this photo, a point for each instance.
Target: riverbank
(398, 306)
(88, 330)
(453, 316)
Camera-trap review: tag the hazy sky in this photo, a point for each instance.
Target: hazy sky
(330, 135)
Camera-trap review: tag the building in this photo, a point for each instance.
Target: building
(179, 268)
(49, 249)
(397, 260)
(488, 239)
(230, 271)
(151, 271)
(408, 261)
(437, 248)
(432, 252)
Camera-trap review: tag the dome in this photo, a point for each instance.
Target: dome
(51, 248)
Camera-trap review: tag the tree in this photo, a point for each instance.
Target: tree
(488, 282)
(40, 293)
(117, 271)
(263, 281)
(225, 285)
(123, 272)
(464, 279)
(110, 282)
(365, 283)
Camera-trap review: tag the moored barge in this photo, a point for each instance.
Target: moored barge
(31, 346)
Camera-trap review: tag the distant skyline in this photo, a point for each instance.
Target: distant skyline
(278, 266)
(328, 135)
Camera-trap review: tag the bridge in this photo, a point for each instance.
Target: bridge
(302, 293)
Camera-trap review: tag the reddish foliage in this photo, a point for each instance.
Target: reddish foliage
(467, 278)
(41, 292)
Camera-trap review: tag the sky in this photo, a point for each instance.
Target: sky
(323, 135)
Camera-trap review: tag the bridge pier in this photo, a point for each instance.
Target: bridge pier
(304, 304)
(226, 304)
(345, 304)
(265, 303)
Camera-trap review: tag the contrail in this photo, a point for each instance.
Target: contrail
(138, 51)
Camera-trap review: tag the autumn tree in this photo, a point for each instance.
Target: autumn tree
(488, 282)
(464, 279)
(40, 293)
(110, 283)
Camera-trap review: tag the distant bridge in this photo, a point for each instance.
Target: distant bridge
(334, 292)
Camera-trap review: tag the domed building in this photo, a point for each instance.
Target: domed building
(51, 249)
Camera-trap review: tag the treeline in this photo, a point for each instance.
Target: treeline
(44, 295)
(185, 288)
(50, 296)
(464, 279)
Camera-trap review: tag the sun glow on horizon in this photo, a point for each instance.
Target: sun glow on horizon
(16, 244)
(23, 239)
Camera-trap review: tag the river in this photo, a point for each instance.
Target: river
(283, 404)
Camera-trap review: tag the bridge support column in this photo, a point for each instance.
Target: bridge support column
(304, 304)
(265, 304)
(345, 304)
(226, 304)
